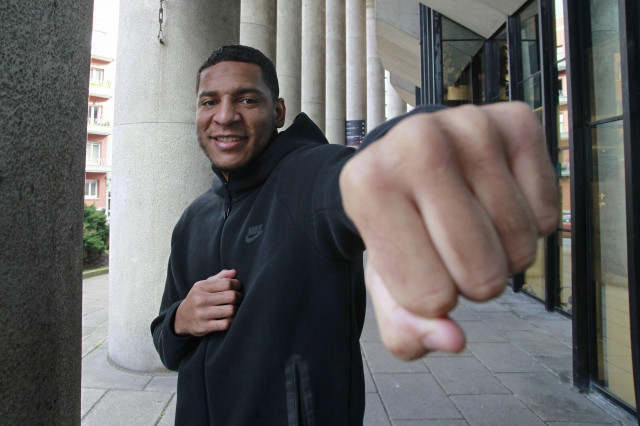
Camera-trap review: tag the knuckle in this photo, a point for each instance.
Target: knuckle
(486, 288)
(523, 255)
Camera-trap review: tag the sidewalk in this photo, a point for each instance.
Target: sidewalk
(516, 370)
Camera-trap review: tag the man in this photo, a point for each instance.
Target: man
(264, 299)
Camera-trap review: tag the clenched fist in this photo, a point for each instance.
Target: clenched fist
(448, 203)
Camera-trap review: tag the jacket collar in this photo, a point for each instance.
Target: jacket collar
(303, 131)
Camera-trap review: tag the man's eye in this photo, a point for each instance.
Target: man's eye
(209, 102)
(248, 101)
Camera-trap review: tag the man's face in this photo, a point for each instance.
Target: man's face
(236, 115)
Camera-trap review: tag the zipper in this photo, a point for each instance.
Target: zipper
(227, 201)
(300, 400)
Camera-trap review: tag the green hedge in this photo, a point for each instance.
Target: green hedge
(96, 234)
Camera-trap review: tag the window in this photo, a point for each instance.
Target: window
(93, 153)
(462, 64)
(91, 188)
(95, 114)
(97, 75)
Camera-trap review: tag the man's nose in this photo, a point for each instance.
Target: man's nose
(226, 113)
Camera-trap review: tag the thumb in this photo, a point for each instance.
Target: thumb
(406, 335)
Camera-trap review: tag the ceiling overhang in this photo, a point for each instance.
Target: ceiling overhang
(483, 17)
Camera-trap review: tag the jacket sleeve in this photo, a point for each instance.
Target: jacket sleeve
(333, 228)
(171, 347)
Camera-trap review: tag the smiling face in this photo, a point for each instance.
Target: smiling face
(236, 114)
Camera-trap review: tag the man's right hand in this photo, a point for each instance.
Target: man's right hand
(210, 305)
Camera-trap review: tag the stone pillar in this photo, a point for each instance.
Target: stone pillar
(258, 26)
(313, 60)
(356, 60)
(395, 104)
(45, 53)
(375, 73)
(288, 55)
(336, 110)
(158, 166)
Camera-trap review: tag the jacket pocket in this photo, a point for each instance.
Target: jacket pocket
(299, 395)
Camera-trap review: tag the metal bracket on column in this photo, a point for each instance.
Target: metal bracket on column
(161, 19)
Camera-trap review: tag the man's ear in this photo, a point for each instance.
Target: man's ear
(280, 111)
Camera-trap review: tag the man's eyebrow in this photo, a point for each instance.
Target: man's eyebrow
(240, 91)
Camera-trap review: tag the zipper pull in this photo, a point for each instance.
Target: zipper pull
(227, 201)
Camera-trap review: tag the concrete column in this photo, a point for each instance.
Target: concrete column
(313, 60)
(288, 55)
(395, 105)
(45, 54)
(158, 167)
(258, 26)
(356, 60)
(336, 109)
(375, 73)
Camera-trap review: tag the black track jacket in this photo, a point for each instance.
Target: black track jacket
(291, 355)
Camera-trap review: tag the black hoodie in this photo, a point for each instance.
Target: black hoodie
(291, 355)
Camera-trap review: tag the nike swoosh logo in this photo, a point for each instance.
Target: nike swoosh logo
(253, 233)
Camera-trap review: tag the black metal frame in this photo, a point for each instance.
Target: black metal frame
(430, 56)
(578, 39)
(577, 23)
(491, 71)
(629, 20)
(582, 290)
(549, 83)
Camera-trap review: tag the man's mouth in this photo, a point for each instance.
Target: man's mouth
(226, 139)
(229, 142)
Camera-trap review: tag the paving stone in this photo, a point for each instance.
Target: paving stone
(88, 399)
(479, 331)
(464, 376)
(441, 422)
(464, 353)
(380, 360)
(562, 366)
(91, 342)
(539, 343)
(369, 386)
(505, 358)
(163, 384)
(374, 413)
(98, 373)
(95, 319)
(414, 397)
(120, 407)
(370, 331)
(553, 400)
(558, 326)
(493, 410)
(492, 306)
(168, 416)
(505, 321)
(463, 312)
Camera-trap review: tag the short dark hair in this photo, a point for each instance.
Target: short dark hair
(240, 53)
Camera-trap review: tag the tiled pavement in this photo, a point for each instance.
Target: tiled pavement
(516, 370)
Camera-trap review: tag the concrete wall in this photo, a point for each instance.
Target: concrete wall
(158, 167)
(45, 56)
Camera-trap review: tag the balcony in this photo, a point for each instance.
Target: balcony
(98, 126)
(98, 165)
(101, 88)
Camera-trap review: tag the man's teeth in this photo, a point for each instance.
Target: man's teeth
(234, 139)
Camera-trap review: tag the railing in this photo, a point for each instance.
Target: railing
(104, 84)
(99, 162)
(97, 122)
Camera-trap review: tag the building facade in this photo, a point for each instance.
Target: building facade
(100, 108)
(575, 64)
